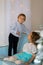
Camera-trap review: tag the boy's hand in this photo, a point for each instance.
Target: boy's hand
(18, 33)
(23, 33)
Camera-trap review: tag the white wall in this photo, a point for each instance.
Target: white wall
(37, 13)
(13, 9)
(9, 10)
(6, 7)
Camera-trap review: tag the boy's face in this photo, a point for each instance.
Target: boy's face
(21, 19)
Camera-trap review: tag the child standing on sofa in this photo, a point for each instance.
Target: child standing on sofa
(29, 51)
(15, 33)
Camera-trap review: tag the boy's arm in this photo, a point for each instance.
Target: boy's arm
(25, 32)
(13, 28)
(33, 57)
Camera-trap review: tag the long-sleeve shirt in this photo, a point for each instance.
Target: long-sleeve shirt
(17, 27)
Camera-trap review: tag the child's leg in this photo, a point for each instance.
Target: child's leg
(12, 58)
(10, 45)
(15, 43)
(18, 62)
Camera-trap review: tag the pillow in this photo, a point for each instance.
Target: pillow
(23, 39)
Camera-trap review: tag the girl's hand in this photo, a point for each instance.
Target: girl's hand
(23, 33)
(26, 64)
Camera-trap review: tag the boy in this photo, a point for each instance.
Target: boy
(16, 30)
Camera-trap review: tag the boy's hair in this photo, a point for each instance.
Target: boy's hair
(22, 15)
(35, 36)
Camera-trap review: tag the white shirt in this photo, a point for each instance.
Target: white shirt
(17, 27)
(29, 48)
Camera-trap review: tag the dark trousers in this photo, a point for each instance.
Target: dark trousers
(13, 42)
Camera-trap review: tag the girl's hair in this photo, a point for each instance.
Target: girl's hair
(35, 36)
(22, 15)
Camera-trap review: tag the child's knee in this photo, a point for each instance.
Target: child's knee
(18, 62)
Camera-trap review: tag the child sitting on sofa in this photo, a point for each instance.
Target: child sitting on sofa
(29, 51)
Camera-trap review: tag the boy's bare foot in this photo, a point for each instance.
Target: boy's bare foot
(7, 58)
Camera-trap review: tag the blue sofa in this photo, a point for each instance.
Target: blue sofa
(4, 51)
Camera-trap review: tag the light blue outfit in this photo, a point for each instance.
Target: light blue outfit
(25, 57)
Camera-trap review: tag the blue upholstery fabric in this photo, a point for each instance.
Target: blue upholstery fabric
(3, 51)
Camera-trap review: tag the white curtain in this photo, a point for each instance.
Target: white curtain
(2, 23)
(12, 9)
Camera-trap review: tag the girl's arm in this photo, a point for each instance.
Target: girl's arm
(33, 57)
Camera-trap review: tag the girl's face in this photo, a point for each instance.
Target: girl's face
(29, 37)
(21, 19)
